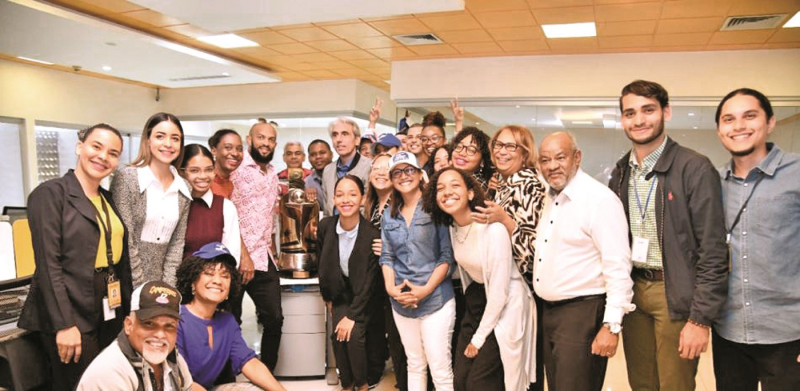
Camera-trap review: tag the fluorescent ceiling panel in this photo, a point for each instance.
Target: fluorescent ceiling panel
(228, 41)
(234, 15)
(40, 31)
(569, 30)
(794, 21)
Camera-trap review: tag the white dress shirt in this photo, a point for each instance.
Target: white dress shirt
(230, 233)
(582, 247)
(163, 212)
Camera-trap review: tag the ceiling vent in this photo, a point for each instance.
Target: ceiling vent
(758, 22)
(193, 78)
(418, 39)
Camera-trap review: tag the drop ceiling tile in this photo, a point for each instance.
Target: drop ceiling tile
(740, 37)
(517, 33)
(755, 7)
(690, 25)
(257, 52)
(314, 57)
(460, 36)
(625, 41)
(153, 18)
(495, 5)
(625, 12)
(355, 73)
(374, 42)
(307, 34)
(383, 72)
(505, 18)
(292, 76)
(334, 45)
(334, 65)
(371, 63)
(114, 6)
(292, 26)
(353, 30)
(564, 15)
(694, 9)
(683, 39)
(323, 74)
(782, 45)
(188, 30)
(267, 37)
(478, 48)
(634, 27)
(558, 3)
(393, 53)
(348, 55)
(786, 36)
(292, 48)
(526, 46)
(304, 66)
(400, 26)
(743, 46)
(572, 45)
(433, 50)
(284, 61)
(459, 21)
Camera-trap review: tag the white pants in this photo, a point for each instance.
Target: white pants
(427, 344)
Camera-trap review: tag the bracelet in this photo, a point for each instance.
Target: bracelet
(698, 324)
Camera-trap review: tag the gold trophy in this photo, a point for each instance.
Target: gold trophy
(298, 225)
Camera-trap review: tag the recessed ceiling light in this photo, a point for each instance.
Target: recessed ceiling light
(106, 68)
(570, 30)
(192, 52)
(794, 21)
(691, 114)
(225, 74)
(517, 106)
(35, 60)
(228, 41)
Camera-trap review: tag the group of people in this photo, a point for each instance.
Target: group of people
(482, 263)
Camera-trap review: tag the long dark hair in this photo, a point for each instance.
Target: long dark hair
(191, 268)
(481, 140)
(193, 150)
(430, 206)
(397, 198)
(145, 156)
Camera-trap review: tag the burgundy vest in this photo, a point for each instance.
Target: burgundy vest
(204, 224)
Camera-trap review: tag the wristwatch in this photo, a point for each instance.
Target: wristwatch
(614, 328)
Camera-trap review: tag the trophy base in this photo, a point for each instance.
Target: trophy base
(299, 265)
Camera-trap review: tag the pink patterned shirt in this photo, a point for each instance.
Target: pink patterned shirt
(255, 193)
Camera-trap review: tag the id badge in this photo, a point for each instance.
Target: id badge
(108, 312)
(639, 249)
(114, 295)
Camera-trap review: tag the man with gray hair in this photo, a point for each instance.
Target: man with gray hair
(345, 135)
(293, 156)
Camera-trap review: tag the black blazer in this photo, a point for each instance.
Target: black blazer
(65, 237)
(362, 265)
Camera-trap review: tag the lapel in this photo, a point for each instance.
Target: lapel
(78, 199)
(333, 249)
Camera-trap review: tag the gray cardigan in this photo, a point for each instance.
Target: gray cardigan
(149, 261)
(329, 178)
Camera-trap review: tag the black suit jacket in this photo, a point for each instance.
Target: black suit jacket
(65, 237)
(362, 265)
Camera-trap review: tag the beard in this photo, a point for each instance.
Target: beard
(657, 132)
(153, 355)
(743, 152)
(258, 157)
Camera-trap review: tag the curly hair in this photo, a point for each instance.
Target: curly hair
(481, 140)
(191, 268)
(447, 148)
(430, 206)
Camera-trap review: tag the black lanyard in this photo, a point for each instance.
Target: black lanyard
(744, 205)
(107, 230)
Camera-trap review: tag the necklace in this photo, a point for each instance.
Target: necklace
(462, 239)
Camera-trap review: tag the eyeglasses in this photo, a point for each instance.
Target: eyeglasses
(469, 150)
(433, 139)
(510, 147)
(198, 170)
(409, 171)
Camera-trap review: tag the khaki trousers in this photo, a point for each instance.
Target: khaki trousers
(651, 342)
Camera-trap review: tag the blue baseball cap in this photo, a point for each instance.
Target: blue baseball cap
(214, 250)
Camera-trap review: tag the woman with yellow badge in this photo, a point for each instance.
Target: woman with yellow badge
(81, 288)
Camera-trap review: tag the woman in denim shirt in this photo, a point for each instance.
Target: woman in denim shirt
(416, 261)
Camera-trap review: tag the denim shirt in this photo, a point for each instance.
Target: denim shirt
(413, 252)
(763, 304)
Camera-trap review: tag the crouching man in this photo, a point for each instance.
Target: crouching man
(144, 356)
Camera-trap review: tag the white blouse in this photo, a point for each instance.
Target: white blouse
(163, 211)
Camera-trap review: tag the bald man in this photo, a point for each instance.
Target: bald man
(255, 192)
(582, 269)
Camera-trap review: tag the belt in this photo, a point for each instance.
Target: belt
(649, 274)
(574, 300)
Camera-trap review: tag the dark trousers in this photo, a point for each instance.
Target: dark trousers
(739, 367)
(568, 331)
(396, 350)
(376, 338)
(66, 376)
(351, 356)
(483, 372)
(265, 291)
